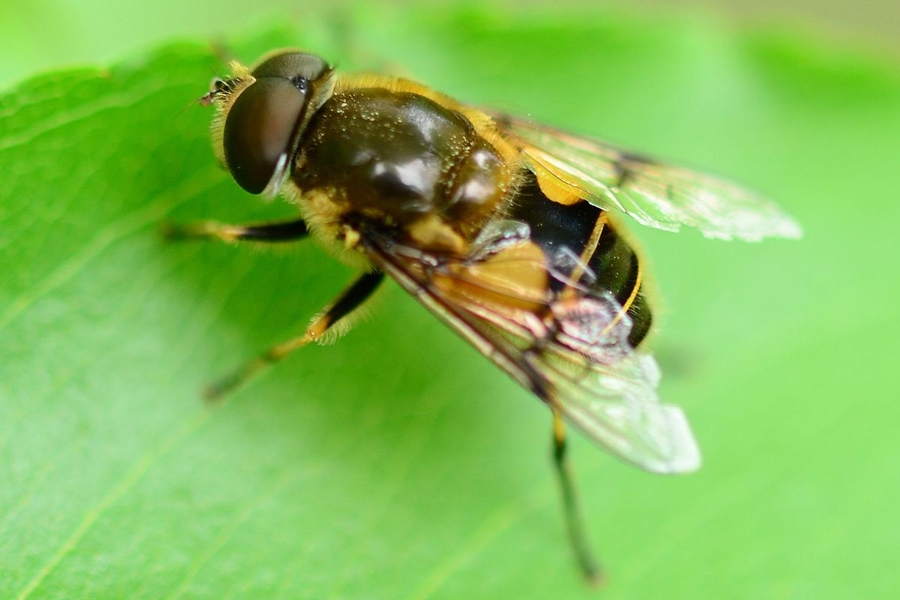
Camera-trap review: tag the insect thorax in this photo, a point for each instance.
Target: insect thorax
(398, 159)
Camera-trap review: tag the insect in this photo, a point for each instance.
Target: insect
(506, 230)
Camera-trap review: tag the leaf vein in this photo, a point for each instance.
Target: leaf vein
(130, 223)
(131, 477)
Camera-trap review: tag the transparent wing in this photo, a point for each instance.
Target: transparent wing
(654, 194)
(572, 354)
(617, 405)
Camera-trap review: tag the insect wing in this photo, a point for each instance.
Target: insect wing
(654, 194)
(618, 406)
(592, 376)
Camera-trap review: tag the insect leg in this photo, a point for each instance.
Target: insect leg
(349, 300)
(574, 520)
(264, 232)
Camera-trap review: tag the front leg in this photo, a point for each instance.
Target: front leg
(286, 231)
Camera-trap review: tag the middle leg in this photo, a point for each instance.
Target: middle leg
(348, 301)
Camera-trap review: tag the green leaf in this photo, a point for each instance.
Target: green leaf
(399, 463)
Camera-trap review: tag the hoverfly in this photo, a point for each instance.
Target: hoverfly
(506, 230)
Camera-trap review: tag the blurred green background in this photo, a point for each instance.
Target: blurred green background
(40, 34)
(399, 463)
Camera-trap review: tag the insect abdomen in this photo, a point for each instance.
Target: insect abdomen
(579, 235)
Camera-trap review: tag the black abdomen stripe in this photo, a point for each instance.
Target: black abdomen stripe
(615, 264)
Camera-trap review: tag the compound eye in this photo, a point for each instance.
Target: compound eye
(291, 65)
(260, 128)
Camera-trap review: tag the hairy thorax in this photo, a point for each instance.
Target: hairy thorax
(400, 161)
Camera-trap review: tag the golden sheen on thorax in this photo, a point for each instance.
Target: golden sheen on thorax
(508, 231)
(399, 157)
